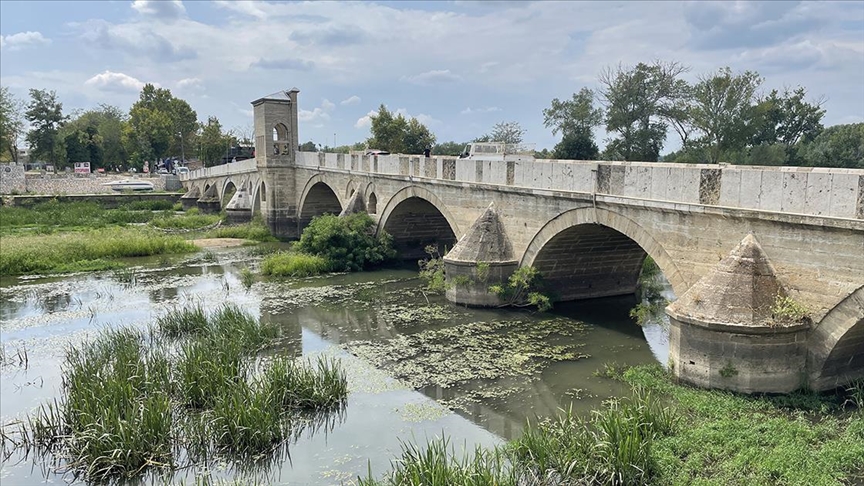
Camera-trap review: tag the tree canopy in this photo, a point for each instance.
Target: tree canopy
(11, 124)
(45, 115)
(396, 134)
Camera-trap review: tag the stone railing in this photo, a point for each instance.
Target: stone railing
(812, 191)
(242, 167)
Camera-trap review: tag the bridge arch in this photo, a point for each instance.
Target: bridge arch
(229, 187)
(837, 344)
(318, 198)
(415, 218)
(259, 195)
(603, 247)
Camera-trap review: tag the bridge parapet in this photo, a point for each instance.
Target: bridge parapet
(242, 167)
(813, 191)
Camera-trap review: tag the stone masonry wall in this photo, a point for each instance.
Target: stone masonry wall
(82, 184)
(12, 179)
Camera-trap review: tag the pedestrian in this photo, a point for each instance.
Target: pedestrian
(426, 152)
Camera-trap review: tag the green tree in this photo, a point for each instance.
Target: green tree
(638, 100)
(214, 143)
(76, 143)
(575, 118)
(448, 148)
(11, 124)
(100, 130)
(577, 146)
(723, 110)
(160, 124)
(836, 146)
(576, 115)
(506, 132)
(45, 115)
(397, 134)
(308, 147)
(349, 243)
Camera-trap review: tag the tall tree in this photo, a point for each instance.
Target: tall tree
(787, 118)
(637, 102)
(214, 143)
(575, 118)
(103, 129)
(448, 148)
(11, 124)
(507, 132)
(160, 124)
(576, 115)
(397, 134)
(723, 110)
(45, 115)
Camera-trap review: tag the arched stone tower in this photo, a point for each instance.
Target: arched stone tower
(276, 145)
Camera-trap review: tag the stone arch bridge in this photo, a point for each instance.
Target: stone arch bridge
(733, 241)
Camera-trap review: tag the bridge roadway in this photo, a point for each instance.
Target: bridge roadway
(730, 239)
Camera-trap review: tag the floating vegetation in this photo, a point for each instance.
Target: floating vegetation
(478, 350)
(187, 390)
(294, 264)
(401, 314)
(422, 412)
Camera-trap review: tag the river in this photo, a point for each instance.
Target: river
(418, 366)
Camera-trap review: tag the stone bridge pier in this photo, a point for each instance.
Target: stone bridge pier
(744, 248)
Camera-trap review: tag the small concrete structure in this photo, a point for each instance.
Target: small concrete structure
(239, 208)
(587, 226)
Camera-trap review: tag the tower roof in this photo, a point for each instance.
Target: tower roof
(282, 96)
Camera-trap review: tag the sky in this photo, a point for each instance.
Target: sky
(457, 66)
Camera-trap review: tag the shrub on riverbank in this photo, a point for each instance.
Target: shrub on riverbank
(55, 216)
(131, 401)
(185, 222)
(84, 250)
(711, 437)
(349, 243)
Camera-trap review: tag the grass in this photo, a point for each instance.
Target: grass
(294, 264)
(664, 434)
(255, 230)
(185, 222)
(184, 390)
(86, 250)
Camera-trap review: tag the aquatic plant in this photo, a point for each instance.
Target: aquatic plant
(432, 270)
(131, 401)
(185, 222)
(294, 264)
(247, 278)
(524, 287)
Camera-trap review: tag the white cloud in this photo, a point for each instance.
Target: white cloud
(484, 109)
(432, 77)
(189, 83)
(111, 81)
(366, 120)
(247, 8)
(161, 9)
(353, 100)
(22, 40)
(317, 114)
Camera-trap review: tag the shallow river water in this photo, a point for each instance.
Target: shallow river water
(418, 366)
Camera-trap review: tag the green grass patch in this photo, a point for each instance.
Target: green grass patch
(664, 434)
(84, 250)
(53, 216)
(294, 264)
(187, 389)
(184, 221)
(254, 230)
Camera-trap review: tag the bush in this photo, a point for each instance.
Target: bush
(348, 243)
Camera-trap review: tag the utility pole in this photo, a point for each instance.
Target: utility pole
(182, 150)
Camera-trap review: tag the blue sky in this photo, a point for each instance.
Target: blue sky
(458, 66)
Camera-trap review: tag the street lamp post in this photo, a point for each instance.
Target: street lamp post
(182, 150)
